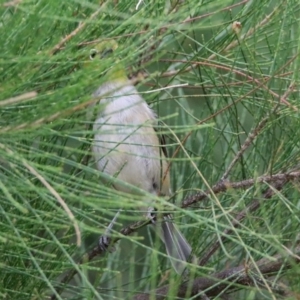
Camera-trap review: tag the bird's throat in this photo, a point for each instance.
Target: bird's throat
(116, 73)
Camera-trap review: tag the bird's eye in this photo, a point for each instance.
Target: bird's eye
(106, 52)
(93, 54)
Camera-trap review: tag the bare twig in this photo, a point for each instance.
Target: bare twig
(253, 135)
(192, 19)
(249, 140)
(74, 32)
(17, 99)
(58, 198)
(77, 108)
(255, 204)
(252, 30)
(162, 29)
(230, 46)
(260, 82)
(51, 190)
(229, 279)
(225, 185)
(221, 187)
(138, 4)
(97, 251)
(12, 3)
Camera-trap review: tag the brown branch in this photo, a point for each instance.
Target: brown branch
(12, 3)
(195, 63)
(188, 20)
(163, 28)
(259, 84)
(134, 81)
(21, 98)
(63, 113)
(226, 185)
(98, 252)
(228, 280)
(220, 85)
(74, 32)
(221, 187)
(255, 204)
(253, 135)
(249, 140)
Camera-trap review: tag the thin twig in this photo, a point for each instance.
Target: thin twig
(58, 198)
(81, 106)
(12, 3)
(255, 132)
(225, 185)
(260, 83)
(138, 4)
(77, 108)
(238, 72)
(192, 19)
(98, 251)
(249, 140)
(164, 88)
(188, 20)
(251, 31)
(21, 98)
(255, 204)
(183, 141)
(227, 280)
(51, 190)
(80, 26)
(230, 46)
(222, 187)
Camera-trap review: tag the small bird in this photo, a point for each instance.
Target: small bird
(126, 146)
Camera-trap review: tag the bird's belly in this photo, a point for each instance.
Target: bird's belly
(119, 153)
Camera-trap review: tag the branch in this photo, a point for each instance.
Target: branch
(251, 208)
(228, 280)
(97, 252)
(221, 187)
(252, 135)
(249, 140)
(226, 185)
(259, 84)
(21, 98)
(74, 32)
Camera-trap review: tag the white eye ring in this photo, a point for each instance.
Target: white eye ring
(93, 53)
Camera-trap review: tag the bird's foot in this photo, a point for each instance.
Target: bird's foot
(151, 214)
(105, 240)
(104, 244)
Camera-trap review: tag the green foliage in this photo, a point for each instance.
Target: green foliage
(196, 68)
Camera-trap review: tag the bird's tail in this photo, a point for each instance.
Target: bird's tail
(177, 247)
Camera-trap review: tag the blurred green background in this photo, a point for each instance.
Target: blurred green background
(203, 78)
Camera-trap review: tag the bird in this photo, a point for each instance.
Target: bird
(127, 146)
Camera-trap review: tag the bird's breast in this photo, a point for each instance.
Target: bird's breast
(126, 144)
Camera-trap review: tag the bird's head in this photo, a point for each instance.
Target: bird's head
(105, 53)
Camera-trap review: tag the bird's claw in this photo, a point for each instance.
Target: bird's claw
(105, 240)
(151, 214)
(104, 244)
